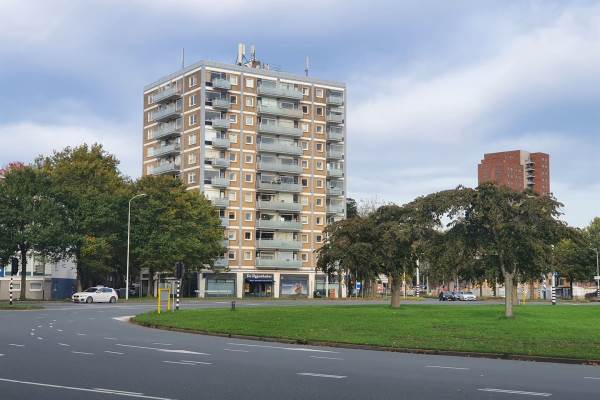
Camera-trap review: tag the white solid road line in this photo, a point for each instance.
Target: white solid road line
(236, 350)
(118, 391)
(178, 362)
(283, 348)
(515, 392)
(16, 345)
(591, 377)
(113, 352)
(197, 362)
(163, 350)
(326, 358)
(64, 344)
(440, 366)
(82, 352)
(104, 391)
(163, 344)
(322, 375)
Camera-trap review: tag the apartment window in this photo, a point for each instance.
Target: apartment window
(319, 202)
(319, 220)
(233, 137)
(249, 139)
(304, 182)
(305, 127)
(232, 195)
(232, 157)
(304, 238)
(249, 120)
(304, 200)
(305, 91)
(149, 134)
(191, 139)
(233, 79)
(248, 177)
(319, 128)
(34, 286)
(247, 255)
(233, 99)
(304, 219)
(191, 159)
(232, 215)
(233, 118)
(305, 109)
(320, 165)
(192, 177)
(319, 183)
(304, 164)
(318, 238)
(320, 111)
(192, 80)
(248, 235)
(249, 82)
(192, 100)
(319, 146)
(319, 92)
(249, 101)
(192, 119)
(304, 145)
(304, 256)
(248, 158)
(231, 235)
(248, 197)
(248, 216)
(231, 255)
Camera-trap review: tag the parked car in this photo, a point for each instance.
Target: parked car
(96, 294)
(466, 296)
(592, 296)
(447, 296)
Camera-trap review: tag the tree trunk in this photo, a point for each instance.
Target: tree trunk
(396, 289)
(150, 291)
(23, 253)
(508, 294)
(340, 283)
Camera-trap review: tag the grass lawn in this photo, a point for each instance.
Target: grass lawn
(567, 331)
(18, 306)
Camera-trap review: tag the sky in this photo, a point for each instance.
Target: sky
(432, 85)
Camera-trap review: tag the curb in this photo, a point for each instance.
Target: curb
(497, 356)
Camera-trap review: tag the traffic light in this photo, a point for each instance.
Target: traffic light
(179, 270)
(14, 264)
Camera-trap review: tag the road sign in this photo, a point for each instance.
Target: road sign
(358, 285)
(597, 278)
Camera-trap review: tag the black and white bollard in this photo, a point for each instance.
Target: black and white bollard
(10, 290)
(177, 295)
(553, 289)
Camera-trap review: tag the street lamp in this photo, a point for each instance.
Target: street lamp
(128, 234)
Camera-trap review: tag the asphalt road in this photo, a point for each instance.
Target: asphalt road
(82, 351)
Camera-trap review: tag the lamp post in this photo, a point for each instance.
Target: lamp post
(128, 234)
(597, 274)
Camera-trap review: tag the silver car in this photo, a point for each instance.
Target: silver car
(466, 296)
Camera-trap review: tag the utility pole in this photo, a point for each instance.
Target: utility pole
(128, 235)
(597, 274)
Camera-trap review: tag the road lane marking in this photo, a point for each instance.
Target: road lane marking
(283, 348)
(124, 318)
(81, 334)
(326, 358)
(39, 326)
(321, 375)
(31, 334)
(163, 350)
(104, 391)
(591, 377)
(178, 362)
(440, 366)
(16, 345)
(515, 392)
(197, 362)
(237, 350)
(163, 344)
(40, 338)
(59, 330)
(110, 338)
(1, 355)
(82, 352)
(118, 391)
(113, 352)
(64, 344)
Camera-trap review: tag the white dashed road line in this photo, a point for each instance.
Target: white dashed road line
(64, 344)
(162, 344)
(515, 392)
(197, 362)
(110, 338)
(321, 375)
(40, 338)
(81, 334)
(283, 348)
(442, 367)
(178, 362)
(327, 358)
(16, 345)
(163, 350)
(114, 352)
(591, 377)
(82, 352)
(59, 330)
(236, 350)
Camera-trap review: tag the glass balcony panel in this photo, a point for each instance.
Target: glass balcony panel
(278, 206)
(219, 182)
(277, 263)
(220, 83)
(279, 225)
(278, 244)
(276, 110)
(280, 147)
(277, 129)
(279, 187)
(280, 91)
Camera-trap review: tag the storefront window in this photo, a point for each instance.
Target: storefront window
(294, 285)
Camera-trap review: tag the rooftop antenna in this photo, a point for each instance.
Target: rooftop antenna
(252, 53)
(241, 54)
(306, 65)
(182, 57)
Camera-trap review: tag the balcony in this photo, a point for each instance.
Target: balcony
(335, 172)
(221, 103)
(280, 91)
(335, 209)
(278, 206)
(165, 150)
(277, 263)
(220, 202)
(277, 129)
(168, 93)
(335, 100)
(335, 154)
(167, 113)
(220, 83)
(334, 118)
(279, 225)
(218, 162)
(335, 136)
(335, 191)
(279, 167)
(279, 187)
(220, 263)
(220, 123)
(280, 148)
(224, 222)
(219, 182)
(166, 168)
(280, 111)
(278, 244)
(167, 130)
(222, 143)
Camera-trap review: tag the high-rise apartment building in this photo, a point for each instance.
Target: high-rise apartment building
(518, 170)
(268, 149)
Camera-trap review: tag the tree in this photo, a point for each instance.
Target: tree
(173, 224)
(30, 217)
(351, 208)
(572, 258)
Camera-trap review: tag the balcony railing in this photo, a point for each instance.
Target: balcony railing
(218, 162)
(278, 244)
(221, 103)
(276, 110)
(335, 100)
(169, 112)
(335, 136)
(335, 172)
(335, 154)
(220, 83)
(278, 206)
(219, 182)
(279, 225)
(335, 209)
(279, 187)
(165, 150)
(222, 143)
(277, 263)
(167, 130)
(220, 123)
(220, 202)
(279, 90)
(335, 191)
(220, 263)
(335, 118)
(166, 168)
(281, 148)
(277, 129)
(224, 222)
(166, 94)
(279, 167)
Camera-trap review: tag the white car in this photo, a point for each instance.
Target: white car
(96, 294)
(466, 296)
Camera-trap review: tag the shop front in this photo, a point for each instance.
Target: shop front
(258, 285)
(293, 286)
(219, 285)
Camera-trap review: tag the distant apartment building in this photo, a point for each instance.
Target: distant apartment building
(269, 150)
(518, 170)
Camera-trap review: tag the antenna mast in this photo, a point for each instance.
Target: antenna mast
(182, 57)
(306, 66)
